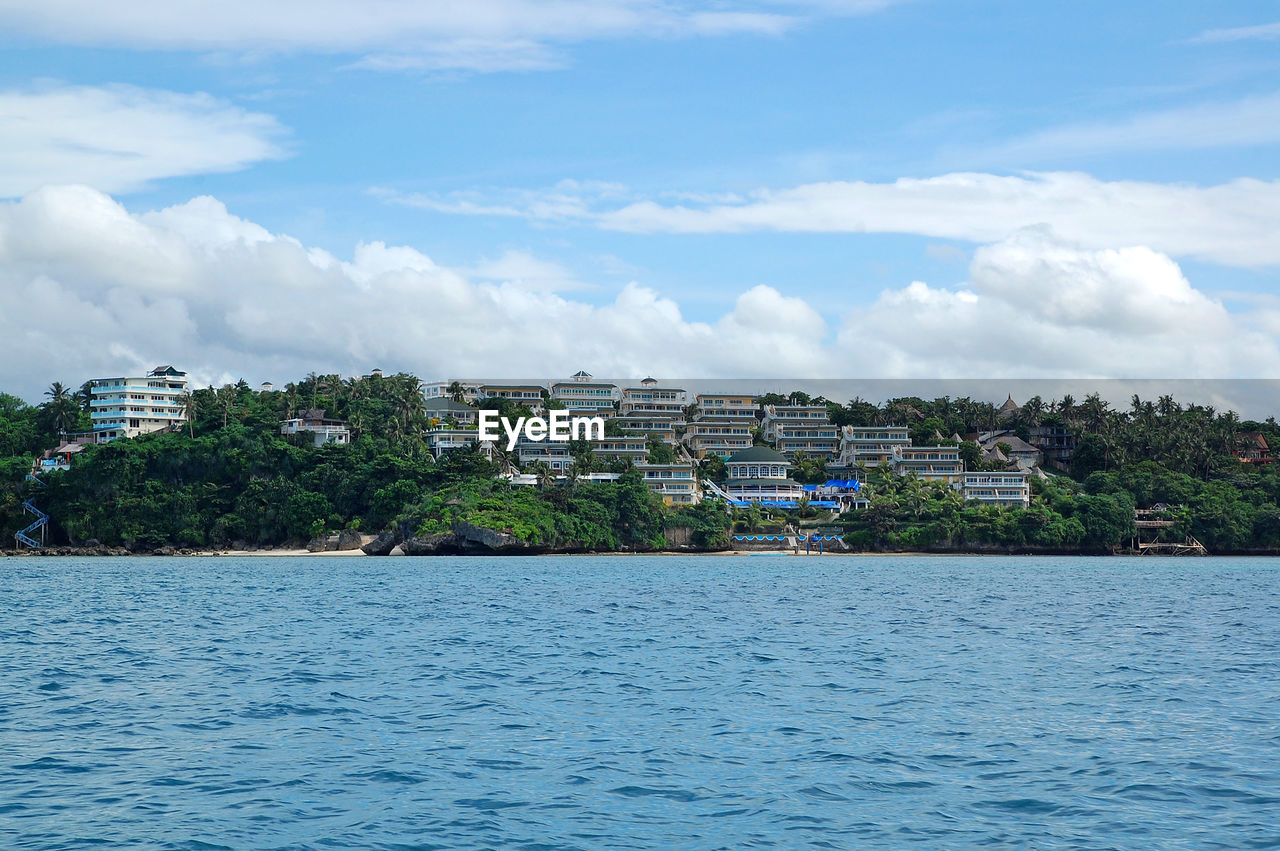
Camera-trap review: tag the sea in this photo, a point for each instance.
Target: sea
(642, 702)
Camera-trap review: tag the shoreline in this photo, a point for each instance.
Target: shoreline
(294, 552)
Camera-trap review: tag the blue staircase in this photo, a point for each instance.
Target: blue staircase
(23, 537)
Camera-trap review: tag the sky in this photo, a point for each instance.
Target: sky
(736, 188)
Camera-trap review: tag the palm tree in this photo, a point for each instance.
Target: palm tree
(190, 408)
(226, 399)
(61, 405)
(456, 391)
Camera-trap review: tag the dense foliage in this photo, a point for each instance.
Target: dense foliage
(229, 477)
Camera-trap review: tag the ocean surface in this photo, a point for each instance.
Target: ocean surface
(639, 702)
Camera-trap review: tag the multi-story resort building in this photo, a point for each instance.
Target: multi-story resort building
(760, 474)
(818, 441)
(471, 390)
(930, 463)
(651, 400)
(132, 405)
(1001, 488)
(631, 448)
(322, 429)
(442, 440)
(790, 415)
(663, 428)
(734, 406)
(676, 483)
(555, 455)
(583, 396)
(871, 446)
(718, 437)
(529, 395)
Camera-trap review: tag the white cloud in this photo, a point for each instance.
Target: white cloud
(1037, 306)
(1231, 223)
(89, 288)
(1260, 32)
(118, 138)
(478, 35)
(1246, 122)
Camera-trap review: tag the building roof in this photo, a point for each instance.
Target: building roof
(1008, 409)
(758, 453)
(444, 403)
(1016, 444)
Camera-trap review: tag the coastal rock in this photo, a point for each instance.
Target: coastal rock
(349, 539)
(488, 539)
(318, 545)
(381, 545)
(430, 545)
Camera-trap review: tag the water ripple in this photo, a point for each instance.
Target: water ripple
(639, 703)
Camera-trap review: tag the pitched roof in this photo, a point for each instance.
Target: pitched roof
(444, 403)
(758, 453)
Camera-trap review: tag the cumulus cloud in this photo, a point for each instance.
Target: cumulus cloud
(93, 288)
(479, 35)
(118, 138)
(1232, 223)
(1035, 305)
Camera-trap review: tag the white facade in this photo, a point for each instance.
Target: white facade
(322, 429)
(132, 405)
(930, 463)
(677, 484)
(871, 445)
(582, 395)
(651, 400)
(999, 488)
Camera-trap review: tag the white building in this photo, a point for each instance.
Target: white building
(792, 415)
(132, 405)
(632, 448)
(1000, 488)
(321, 428)
(651, 400)
(930, 463)
(870, 446)
(734, 406)
(442, 440)
(760, 474)
(677, 483)
(581, 395)
(663, 428)
(718, 437)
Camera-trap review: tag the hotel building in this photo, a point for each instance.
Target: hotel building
(760, 473)
(677, 483)
(930, 463)
(732, 406)
(580, 395)
(1001, 488)
(132, 405)
(651, 400)
(663, 428)
(871, 446)
(718, 437)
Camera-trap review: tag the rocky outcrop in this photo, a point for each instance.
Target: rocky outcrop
(349, 539)
(319, 544)
(381, 545)
(467, 539)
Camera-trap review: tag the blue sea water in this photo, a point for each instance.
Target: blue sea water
(639, 702)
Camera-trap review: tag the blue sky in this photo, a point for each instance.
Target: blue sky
(698, 151)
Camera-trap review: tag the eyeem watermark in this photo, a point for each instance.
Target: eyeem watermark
(560, 428)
